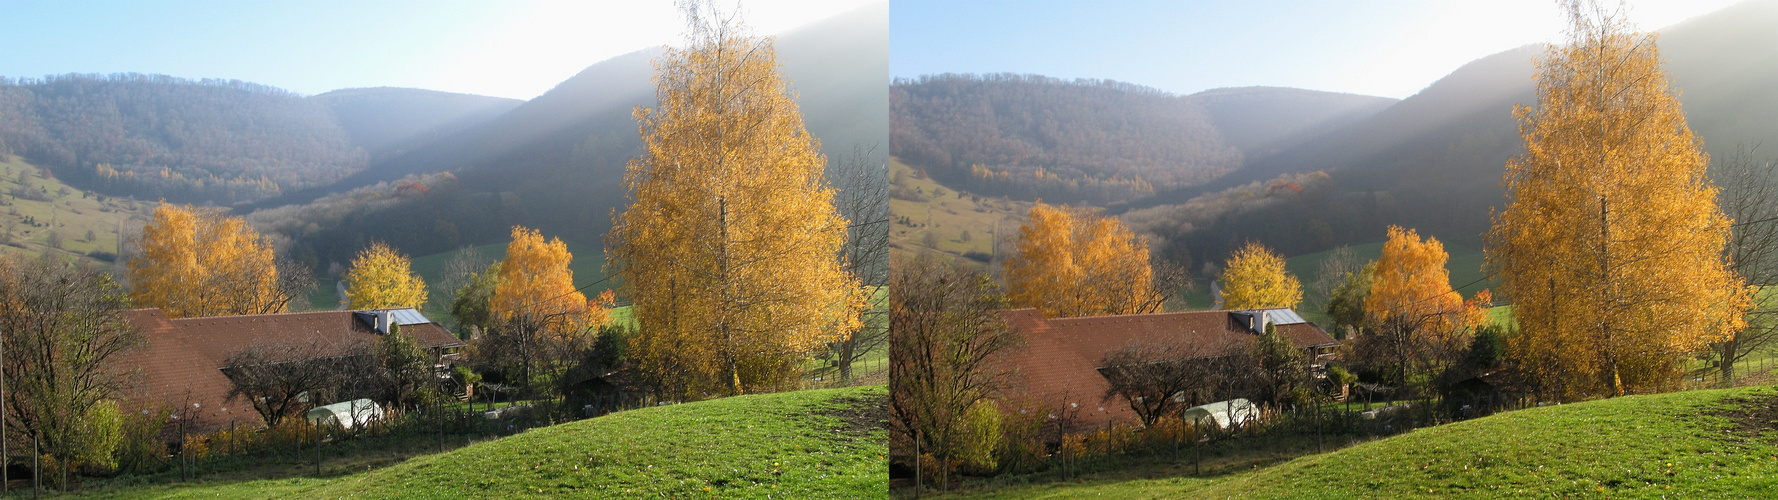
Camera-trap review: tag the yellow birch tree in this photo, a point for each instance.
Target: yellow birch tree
(197, 262)
(381, 278)
(1611, 244)
(535, 280)
(729, 246)
(1072, 263)
(1411, 281)
(1254, 278)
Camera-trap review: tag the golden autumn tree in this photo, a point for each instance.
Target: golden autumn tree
(197, 262)
(1254, 278)
(1418, 323)
(381, 278)
(1411, 281)
(1073, 263)
(729, 246)
(1611, 243)
(535, 280)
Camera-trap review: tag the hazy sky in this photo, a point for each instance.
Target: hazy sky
(502, 48)
(1389, 48)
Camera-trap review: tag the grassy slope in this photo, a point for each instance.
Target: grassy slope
(778, 445)
(1638, 446)
(73, 214)
(950, 217)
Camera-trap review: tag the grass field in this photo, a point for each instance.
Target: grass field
(806, 444)
(69, 213)
(1695, 444)
(948, 217)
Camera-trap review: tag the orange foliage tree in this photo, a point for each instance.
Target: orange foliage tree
(1073, 263)
(535, 280)
(198, 262)
(1611, 244)
(1418, 322)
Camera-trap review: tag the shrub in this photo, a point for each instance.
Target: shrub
(981, 438)
(1021, 441)
(96, 438)
(141, 450)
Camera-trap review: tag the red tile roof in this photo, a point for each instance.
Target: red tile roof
(180, 363)
(1057, 367)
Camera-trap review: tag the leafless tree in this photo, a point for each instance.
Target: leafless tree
(945, 333)
(1158, 379)
(1167, 281)
(62, 335)
(863, 199)
(460, 270)
(1750, 198)
(1340, 262)
(283, 379)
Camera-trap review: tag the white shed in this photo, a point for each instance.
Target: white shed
(346, 414)
(1223, 413)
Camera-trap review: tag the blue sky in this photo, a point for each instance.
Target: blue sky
(1390, 48)
(507, 48)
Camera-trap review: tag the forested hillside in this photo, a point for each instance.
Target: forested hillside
(1068, 141)
(156, 136)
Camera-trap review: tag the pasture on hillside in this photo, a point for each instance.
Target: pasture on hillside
(30, 215)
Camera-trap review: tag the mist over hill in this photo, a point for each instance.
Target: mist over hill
(388, 120)
(556, 162)
(1434, 160)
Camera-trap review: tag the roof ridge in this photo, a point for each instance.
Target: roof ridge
(282, 314)
(1150, 315)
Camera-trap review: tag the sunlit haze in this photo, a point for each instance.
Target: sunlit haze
(1390, 48)
(515, 49)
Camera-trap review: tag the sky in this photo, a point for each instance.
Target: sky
(1389, 48)
(508, 48)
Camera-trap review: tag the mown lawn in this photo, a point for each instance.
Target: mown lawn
(806, 444)
(1695, 444)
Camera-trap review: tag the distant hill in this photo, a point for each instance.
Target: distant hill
(1261, 120)
(556, 161)
(156, 136)
(1435, 160)
(1097, 141)
(387, 120)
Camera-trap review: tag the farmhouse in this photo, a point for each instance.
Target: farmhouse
(1058, 367)
(181, 361)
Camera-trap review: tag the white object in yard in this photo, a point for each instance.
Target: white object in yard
(1385, 411)
(1222, 413)
(346, 414)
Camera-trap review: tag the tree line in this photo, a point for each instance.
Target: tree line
(155, 136)
(1071, 141)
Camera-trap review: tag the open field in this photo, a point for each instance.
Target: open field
(68, 213)
(1694, 444)
(959, 223)
(806, 444)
